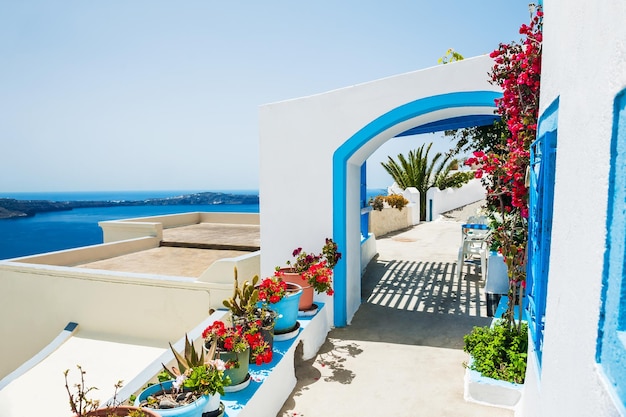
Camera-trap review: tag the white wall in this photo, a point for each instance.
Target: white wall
(118, 305)
(390, 219)
(584, 64)
(451, 198)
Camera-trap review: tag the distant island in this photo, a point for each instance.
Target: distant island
(11, 208)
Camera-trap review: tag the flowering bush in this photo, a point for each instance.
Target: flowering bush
(195, 372)
(319, 276)
(255, 327)
(305, 260)
(517, 70)
(316, 270)
(238, 339)
(229, 339)
(260, 350)
(272, 289)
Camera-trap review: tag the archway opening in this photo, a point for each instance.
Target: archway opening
(425, 115)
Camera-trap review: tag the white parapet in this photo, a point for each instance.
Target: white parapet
(439, 201)
(488, 391)
(390, 219)
(222, 270)
(114, 231)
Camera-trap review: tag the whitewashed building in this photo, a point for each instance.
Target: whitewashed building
(313, 151)
(578, 363)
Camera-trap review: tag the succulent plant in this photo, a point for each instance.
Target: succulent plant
(244, 299)
(189, 359)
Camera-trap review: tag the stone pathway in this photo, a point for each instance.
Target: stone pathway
(402, 355)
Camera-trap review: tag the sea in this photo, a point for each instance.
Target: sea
(60, 230)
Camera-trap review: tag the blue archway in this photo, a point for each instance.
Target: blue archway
(429, 114)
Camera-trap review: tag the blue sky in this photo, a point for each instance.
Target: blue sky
(162, 95)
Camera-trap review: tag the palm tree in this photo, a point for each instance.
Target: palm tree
(416, 171)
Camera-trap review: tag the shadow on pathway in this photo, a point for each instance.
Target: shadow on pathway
(403, 347)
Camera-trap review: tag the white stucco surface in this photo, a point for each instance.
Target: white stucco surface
(451, 198)
(584, 61)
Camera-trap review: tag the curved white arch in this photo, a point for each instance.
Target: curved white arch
(312, 150)
(438, 111)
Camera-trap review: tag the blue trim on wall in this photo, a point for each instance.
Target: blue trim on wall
(541, 192)
(364, 215)
(71, 326)
(349, 147)
(452, 123)
(611, 344)
(549, 119)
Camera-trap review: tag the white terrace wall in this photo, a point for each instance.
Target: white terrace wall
(390, 219)
(122, 306)
(116, 230)
(114, 304)
(298, 139)
(584, 66)
(451, 198)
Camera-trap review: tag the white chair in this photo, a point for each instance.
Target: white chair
(474, 244)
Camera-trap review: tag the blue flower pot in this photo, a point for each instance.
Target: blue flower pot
(287, 309)
(194, 409)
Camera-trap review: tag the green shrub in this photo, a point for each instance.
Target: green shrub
(456, 180)
(499, 352)
(378, 202)
(419, 171)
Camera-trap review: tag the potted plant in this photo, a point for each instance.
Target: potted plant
(498, 351)
(282, 298)
(257, 321)
(82, 406)
(497, 366)
(191, 389)
(396, 201)
(312, 272)
(233, 349)
(260, 337)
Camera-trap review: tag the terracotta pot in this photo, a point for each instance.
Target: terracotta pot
(306, 299)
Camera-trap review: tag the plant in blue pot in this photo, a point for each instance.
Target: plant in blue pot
(282, 298)
(191, 389)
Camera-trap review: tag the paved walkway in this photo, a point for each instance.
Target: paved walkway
(403, 354)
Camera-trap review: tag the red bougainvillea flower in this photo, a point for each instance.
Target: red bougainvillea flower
(517, 70)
